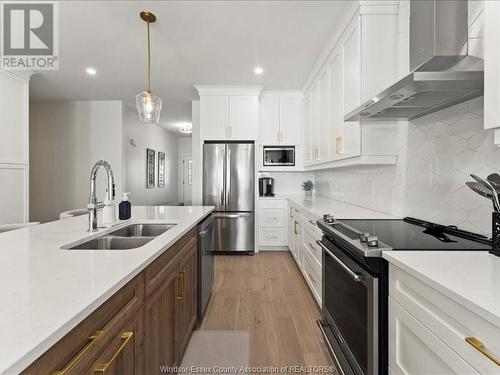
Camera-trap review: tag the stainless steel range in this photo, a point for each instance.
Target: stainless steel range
(355, 282)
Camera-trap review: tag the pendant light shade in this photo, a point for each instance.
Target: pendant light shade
(148, 105)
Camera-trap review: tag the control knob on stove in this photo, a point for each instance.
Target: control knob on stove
(364, 236)
(328, 218)
(372, 241)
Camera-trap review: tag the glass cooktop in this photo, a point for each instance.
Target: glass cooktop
(413, 234)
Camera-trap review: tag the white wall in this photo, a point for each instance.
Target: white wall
(197, 156)
(145, 136)
(66, 139)
(185, 145)
(14, 148)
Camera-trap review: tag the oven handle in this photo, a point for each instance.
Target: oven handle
(354, 275)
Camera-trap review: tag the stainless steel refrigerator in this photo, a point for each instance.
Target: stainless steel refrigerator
(229, 185)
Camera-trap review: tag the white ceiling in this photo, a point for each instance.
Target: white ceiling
(194, 42)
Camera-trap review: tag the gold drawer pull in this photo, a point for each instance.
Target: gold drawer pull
(182, 276)
(101, 368)
(479, 346)
(80, 354)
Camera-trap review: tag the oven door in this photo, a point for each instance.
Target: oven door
(350, 309)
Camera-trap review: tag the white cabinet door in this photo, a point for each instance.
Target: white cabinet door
(315, 127)
(351, 51)
(324, 116)
(14, 123)
(14, 190)
(414, 350)
(336, 106)
(243, 117)
(307, 129)
(290, 115)
(379, 38)
(269, 123)
(214, 117)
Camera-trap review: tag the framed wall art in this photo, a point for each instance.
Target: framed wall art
(161, 169)
(150, 168)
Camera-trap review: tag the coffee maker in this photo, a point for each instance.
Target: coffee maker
(266, 187)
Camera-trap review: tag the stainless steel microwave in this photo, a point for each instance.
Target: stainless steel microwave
(276, 156)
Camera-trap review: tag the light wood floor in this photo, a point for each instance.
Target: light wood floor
(267, 296)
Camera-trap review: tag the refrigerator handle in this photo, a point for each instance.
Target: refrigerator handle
(228, 175)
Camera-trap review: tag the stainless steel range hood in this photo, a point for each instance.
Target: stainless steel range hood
(442, 73)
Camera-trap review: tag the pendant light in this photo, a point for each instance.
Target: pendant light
(148, 105)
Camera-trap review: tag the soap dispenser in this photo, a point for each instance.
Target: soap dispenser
(125, 207)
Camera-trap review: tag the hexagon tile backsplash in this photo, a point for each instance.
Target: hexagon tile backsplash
(436, 155)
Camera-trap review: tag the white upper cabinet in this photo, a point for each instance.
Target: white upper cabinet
(214, 116)
(350, 45)
(229, 112)
(360, 64)
(269, 123)
(243, 117)
(307, 121)
(280, 118)
(290, 121)
(324, 116)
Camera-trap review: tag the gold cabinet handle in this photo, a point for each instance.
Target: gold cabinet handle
(92, 338)
(479, 346)
(182, 276)
(101, 368)
(295, 228)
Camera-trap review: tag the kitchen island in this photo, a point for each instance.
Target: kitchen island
(47, 291)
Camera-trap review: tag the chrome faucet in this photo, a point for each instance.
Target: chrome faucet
(94, 205)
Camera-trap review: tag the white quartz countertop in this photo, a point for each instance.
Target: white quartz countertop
(47, 291)
(318, 206)
(470, 278)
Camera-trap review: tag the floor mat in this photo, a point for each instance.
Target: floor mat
(216, 352)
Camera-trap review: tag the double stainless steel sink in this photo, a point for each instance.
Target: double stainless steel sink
(129, 237)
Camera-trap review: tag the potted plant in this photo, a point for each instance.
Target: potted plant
(308, 186)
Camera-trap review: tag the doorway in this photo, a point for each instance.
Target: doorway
(187, 179)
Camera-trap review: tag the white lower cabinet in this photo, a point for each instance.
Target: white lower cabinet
(273, 226)
(413, 349)
(302, 243)
(428, 331)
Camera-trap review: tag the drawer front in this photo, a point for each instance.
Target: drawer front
(272, 203)
(413, 349)
(272, 218)
(448, 320)
(311, 246)
(272, 237)
(312, 272)
(158, 271)
(80, 348)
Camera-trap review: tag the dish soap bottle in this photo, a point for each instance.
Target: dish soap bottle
(125, 207)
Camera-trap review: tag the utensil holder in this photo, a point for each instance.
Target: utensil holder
(495, 221)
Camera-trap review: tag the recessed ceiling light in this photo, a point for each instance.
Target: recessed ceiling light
(258, 70)
(91, 71)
